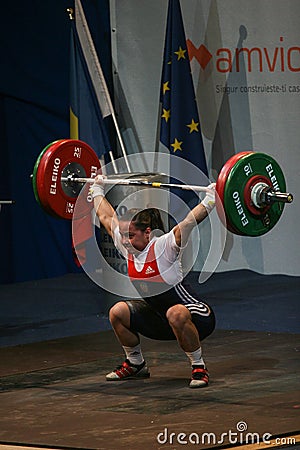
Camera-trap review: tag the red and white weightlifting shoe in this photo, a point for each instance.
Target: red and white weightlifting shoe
(127, 371)
(200, 377)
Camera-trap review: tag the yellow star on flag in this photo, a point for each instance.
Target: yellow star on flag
(180, 53)
(193, 126)
(166, 114)
(166, 87)
(176, 145)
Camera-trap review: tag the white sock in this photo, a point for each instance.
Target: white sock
(196, 357)
(134, 354)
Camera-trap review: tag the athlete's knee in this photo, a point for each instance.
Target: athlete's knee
(178, 315)
(119, 312)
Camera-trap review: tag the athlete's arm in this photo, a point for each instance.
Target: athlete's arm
(104, 210)
(194, 217)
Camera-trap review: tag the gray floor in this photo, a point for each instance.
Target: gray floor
(57, 345)
(54, 393)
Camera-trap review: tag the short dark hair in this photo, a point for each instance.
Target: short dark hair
(144, 218)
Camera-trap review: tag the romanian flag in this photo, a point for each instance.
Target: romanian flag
(180, 129)
(89, 104)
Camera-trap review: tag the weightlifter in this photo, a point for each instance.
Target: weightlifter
(168, 309)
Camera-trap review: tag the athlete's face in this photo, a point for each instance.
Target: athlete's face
(134, 240)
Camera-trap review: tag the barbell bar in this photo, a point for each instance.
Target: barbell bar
(7, 202)
(261, 194)
(251, 187)
(136, 182)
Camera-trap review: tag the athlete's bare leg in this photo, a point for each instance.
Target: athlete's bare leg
(119, 316)
(180, 320)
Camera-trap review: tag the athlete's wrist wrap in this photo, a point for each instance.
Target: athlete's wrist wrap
(209, 200)
(96, 190)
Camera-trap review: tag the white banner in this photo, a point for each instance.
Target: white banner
(246, 66)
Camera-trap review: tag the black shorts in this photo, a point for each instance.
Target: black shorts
(149, 322)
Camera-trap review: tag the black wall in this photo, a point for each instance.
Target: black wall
(34, 111)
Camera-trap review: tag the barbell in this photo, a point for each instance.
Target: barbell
(6, 202)
(251, 186)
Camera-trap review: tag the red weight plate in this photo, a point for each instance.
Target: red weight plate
(49, 173)
(54, 197)
(38, 179)
(247, 194)
(35, 168)
(40, 174)
(220, 187)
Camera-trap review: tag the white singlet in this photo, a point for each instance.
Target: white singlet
(167, 255)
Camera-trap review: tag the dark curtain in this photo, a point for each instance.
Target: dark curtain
(34, 109)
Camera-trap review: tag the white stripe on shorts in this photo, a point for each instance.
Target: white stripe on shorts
(184, 294)
(200, 308)
(194, 306)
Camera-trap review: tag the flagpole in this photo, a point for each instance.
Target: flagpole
(70, 11)
(75, 135)
(157, 141)
(79, 13)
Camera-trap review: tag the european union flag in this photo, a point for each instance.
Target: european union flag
(86, 118)
(180, 129)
